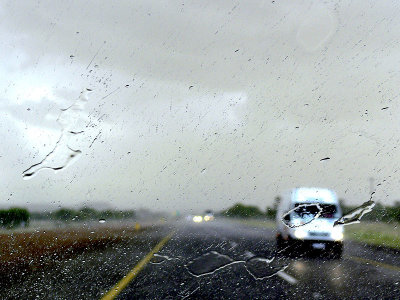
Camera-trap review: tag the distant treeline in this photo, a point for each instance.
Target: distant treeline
(85, 213)
(379, 213)
(240, 210)
(243, 211)
(14, 217)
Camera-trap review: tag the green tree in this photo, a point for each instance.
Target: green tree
(243, 211)
(65, 214)
(14, 217)
(270, 212)
(87, 213)
(277, 201)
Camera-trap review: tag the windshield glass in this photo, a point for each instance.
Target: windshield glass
(155, 149)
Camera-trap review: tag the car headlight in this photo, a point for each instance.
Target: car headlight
(197, 219)
(337, 233)
(300, 233)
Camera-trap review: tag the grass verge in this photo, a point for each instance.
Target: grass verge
(30, 250)
(375, 233)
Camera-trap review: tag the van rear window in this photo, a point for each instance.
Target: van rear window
(305, 209)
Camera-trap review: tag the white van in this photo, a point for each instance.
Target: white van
(305, 216)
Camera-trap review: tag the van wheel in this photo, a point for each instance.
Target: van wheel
(337, 250)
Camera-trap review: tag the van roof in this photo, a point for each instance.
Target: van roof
(320, 195)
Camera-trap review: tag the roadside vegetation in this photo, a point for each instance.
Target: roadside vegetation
(14, 217)
(85, 213)
(242, 211)
(375, 233)
(23, 249)
(20, 217)
(26, 251)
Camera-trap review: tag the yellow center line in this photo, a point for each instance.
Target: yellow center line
(374, 263)
(136, 270)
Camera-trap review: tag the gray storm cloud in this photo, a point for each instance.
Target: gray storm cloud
(256, 94)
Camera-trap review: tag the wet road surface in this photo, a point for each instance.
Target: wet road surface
(214, 260)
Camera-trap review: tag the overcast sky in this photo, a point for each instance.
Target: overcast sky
(198, 105)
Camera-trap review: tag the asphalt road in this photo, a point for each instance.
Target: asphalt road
(214, 260)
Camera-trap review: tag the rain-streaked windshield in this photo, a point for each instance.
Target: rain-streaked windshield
(199, 149)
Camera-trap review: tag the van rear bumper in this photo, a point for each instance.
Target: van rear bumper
(326, 242)
(326, 237)
(295, 246)
(326, 245)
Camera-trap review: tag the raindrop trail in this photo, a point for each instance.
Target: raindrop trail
(27, 172)
(212, 262)
(96, 137)
(217, 269)
(194, 291)
(316, 216)
(354, 216)
(62, 155)
(95, 55)
(111, 93)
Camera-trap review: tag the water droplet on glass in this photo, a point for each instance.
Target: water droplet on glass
(63, 155)
(159, 259)
(261, 268)
(355, 215)
(209, 263)
(305, 214)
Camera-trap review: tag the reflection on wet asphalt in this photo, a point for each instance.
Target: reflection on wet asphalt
(215, 260)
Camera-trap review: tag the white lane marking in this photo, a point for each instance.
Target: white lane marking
(248, 254)
(233, 245)
(287, 277)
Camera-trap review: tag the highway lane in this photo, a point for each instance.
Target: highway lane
(214, 260)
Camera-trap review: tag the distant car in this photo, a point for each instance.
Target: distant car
(208, 216)
(197, 219)
(306, 216)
